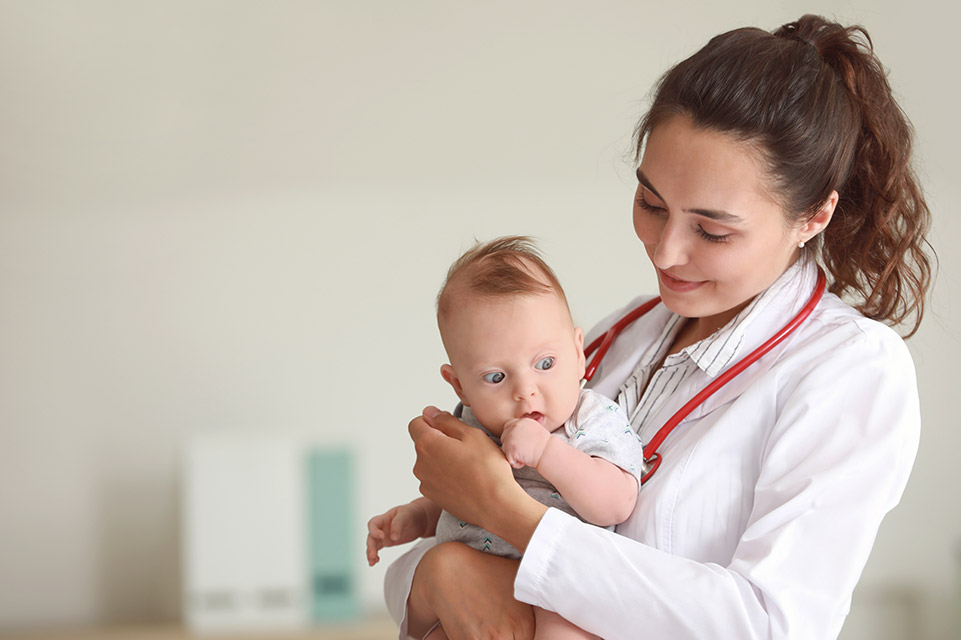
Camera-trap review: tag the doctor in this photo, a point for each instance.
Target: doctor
(764, 158)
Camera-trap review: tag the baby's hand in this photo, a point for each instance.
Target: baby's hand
(400, 525)
(524, 441)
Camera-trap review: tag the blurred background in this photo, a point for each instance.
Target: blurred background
(227, 221)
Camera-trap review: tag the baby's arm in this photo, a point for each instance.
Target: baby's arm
(402, 524)
(599, 491)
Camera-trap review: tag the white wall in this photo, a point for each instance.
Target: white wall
(235, 215)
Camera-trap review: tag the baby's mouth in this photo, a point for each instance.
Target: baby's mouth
(534, 415)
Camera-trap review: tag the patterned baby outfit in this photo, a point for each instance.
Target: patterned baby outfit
(598, 427)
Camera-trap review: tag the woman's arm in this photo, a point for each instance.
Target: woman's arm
(835, 461)
(470, 592)
(427, 582)
(439, 584)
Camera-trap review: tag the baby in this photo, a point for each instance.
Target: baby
(516, 361)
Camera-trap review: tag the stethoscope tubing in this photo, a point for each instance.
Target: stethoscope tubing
(652, 459)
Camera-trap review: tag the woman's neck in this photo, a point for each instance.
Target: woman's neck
(687, 336)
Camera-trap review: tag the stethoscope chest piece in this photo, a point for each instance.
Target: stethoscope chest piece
(649, 466)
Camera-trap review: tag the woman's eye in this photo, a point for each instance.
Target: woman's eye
(494, 377)
(544, 363)
(710, 237)
(642, 202)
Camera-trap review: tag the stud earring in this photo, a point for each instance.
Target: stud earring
(800, 245)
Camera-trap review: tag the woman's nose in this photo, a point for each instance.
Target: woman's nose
(671, 249)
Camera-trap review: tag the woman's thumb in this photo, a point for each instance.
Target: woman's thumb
(444, 422)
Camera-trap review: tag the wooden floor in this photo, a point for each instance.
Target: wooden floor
(381, 629)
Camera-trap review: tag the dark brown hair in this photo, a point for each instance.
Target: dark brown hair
(815, 102)
(505, 266)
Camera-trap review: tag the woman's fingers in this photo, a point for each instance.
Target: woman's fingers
(419, 428)
(444, 422)
(451, 457)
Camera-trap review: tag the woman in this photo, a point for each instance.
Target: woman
(764, 158)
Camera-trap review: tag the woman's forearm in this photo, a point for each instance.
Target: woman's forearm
(516, 518)
(470, 592)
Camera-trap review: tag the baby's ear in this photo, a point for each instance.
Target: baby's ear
(447, 372)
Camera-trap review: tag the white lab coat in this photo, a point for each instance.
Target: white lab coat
(770, 494)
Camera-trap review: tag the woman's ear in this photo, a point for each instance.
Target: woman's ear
(447, 373)
(820, 220)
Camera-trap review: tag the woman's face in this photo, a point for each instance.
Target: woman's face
(712, 231)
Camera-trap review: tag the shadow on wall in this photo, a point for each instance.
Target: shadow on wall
(900, 613)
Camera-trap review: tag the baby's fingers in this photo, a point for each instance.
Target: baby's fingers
(375, 526)
(372, 546)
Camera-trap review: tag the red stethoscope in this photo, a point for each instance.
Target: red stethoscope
(652, 459)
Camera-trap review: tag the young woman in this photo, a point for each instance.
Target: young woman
(765, 159)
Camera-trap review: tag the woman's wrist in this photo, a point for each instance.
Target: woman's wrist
(518, 518)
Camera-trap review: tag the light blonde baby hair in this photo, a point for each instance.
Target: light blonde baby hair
(502, 267)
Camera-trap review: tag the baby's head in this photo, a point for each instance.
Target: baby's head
(514, 351)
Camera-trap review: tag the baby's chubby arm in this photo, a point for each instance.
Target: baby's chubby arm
(599, 491)
(402, 524)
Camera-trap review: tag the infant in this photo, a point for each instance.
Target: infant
(516, 361)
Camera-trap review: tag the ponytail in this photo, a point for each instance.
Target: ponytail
(875, 247)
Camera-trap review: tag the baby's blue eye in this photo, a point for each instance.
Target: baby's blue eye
(494, 377)
(544, 363)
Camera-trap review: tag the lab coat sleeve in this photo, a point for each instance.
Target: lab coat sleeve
(834, 463)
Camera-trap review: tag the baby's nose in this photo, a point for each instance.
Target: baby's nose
(525, 389)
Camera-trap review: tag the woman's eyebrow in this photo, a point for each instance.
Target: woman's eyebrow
(647, 183)
(713, 214)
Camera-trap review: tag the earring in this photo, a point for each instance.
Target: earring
(800, 245)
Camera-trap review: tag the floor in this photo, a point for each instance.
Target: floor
(380, 629)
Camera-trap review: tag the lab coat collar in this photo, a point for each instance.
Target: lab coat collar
(716, 352)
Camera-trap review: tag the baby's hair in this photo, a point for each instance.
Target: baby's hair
(503, 267)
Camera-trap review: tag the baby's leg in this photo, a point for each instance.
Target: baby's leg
(550, 626)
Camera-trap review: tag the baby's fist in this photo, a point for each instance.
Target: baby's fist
(524, 441)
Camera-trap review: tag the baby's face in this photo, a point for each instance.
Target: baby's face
(514, 357)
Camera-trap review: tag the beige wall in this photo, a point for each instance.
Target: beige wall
(234, 216)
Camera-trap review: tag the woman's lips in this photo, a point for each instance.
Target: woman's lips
(676, 284)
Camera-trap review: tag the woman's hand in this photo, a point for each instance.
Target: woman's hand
(464, 472)
(478, 606)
